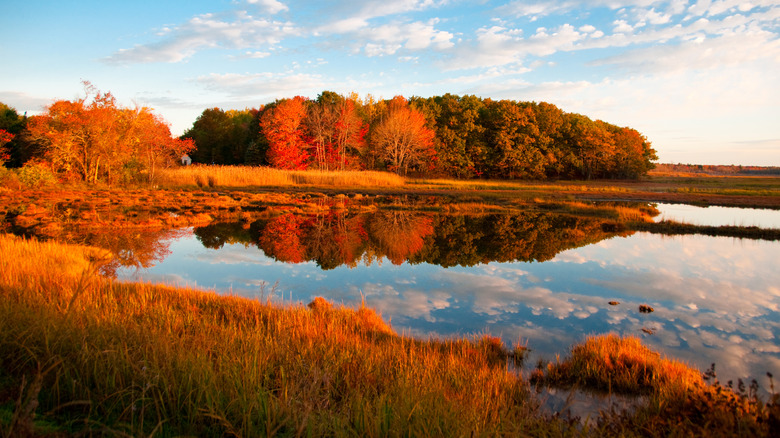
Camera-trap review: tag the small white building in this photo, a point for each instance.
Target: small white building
(186, 160)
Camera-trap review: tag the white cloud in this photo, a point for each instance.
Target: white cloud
(264, 86)
(388, 39)
(23, 102)
(497, 46)
(270, 6)
(236, 31)
(257, 55)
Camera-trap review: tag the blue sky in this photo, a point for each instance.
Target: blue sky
(701, 78)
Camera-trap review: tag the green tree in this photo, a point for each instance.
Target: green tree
(223, 137)
(510, 129)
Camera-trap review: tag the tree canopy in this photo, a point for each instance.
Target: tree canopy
(449, 135)
(93, 139)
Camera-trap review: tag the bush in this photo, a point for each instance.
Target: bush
(36, 174)
(8, 178)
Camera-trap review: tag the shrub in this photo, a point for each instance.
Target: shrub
(36, 174)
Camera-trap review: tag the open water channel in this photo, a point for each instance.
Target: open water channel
(541, 279)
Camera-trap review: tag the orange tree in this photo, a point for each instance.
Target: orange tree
(94, 140)
(283, 124)
(402, 138)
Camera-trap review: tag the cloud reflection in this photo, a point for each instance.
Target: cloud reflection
(716, 300)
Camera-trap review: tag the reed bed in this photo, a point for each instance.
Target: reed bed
(252, 176)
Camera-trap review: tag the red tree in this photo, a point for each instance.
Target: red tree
(351, 133)
(283, 126)
(5, 137)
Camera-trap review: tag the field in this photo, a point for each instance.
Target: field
(81, 354)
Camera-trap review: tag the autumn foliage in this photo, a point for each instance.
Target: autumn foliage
(94, 140)
(5, 137)
(403, 139)
(283, 126)
(449, 136)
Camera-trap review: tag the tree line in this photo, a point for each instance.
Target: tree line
(93, 139)
(449, 135)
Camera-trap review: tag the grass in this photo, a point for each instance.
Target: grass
(623, 365)
(82, 355)
(679, 401)
(251, 176)
(136, 359)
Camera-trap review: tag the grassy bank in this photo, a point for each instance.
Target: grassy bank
(80, 354)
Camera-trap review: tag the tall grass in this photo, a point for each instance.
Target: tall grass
(679, 403)
(622, 364)
(250, 176)
(137, 359)
(83, 355)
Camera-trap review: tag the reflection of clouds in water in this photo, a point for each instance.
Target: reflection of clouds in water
(169, 279)
(715, 299)
(406, 304)
(231, 255)
(493, 295)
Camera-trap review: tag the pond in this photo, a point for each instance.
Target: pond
(541, 279)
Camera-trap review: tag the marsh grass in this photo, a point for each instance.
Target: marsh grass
(136, 359)
(680, 402)
(622, 365)
(83, 355)
(252, 176)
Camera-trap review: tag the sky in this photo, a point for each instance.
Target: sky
(700, 79)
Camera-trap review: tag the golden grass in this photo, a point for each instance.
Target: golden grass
(251, 176)
(136, 359)
(82, 355)
(622, 364)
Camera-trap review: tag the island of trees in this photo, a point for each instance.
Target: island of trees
(93, 139)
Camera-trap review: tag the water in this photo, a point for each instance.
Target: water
(719, 216)
(541, 279)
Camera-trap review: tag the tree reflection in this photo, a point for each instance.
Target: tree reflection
(132, 248)
(338, 238)
(400, 235)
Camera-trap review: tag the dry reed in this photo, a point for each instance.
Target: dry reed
(250, 176)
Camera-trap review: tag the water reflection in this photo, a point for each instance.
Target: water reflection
(715, 299)
(719, 216)
(338, 238)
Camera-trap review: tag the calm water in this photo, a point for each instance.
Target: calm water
(536, 278)
(718, 216)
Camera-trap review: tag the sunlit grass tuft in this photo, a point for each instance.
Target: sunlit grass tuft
(622, 364)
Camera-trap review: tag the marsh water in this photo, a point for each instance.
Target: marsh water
(541, 279)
